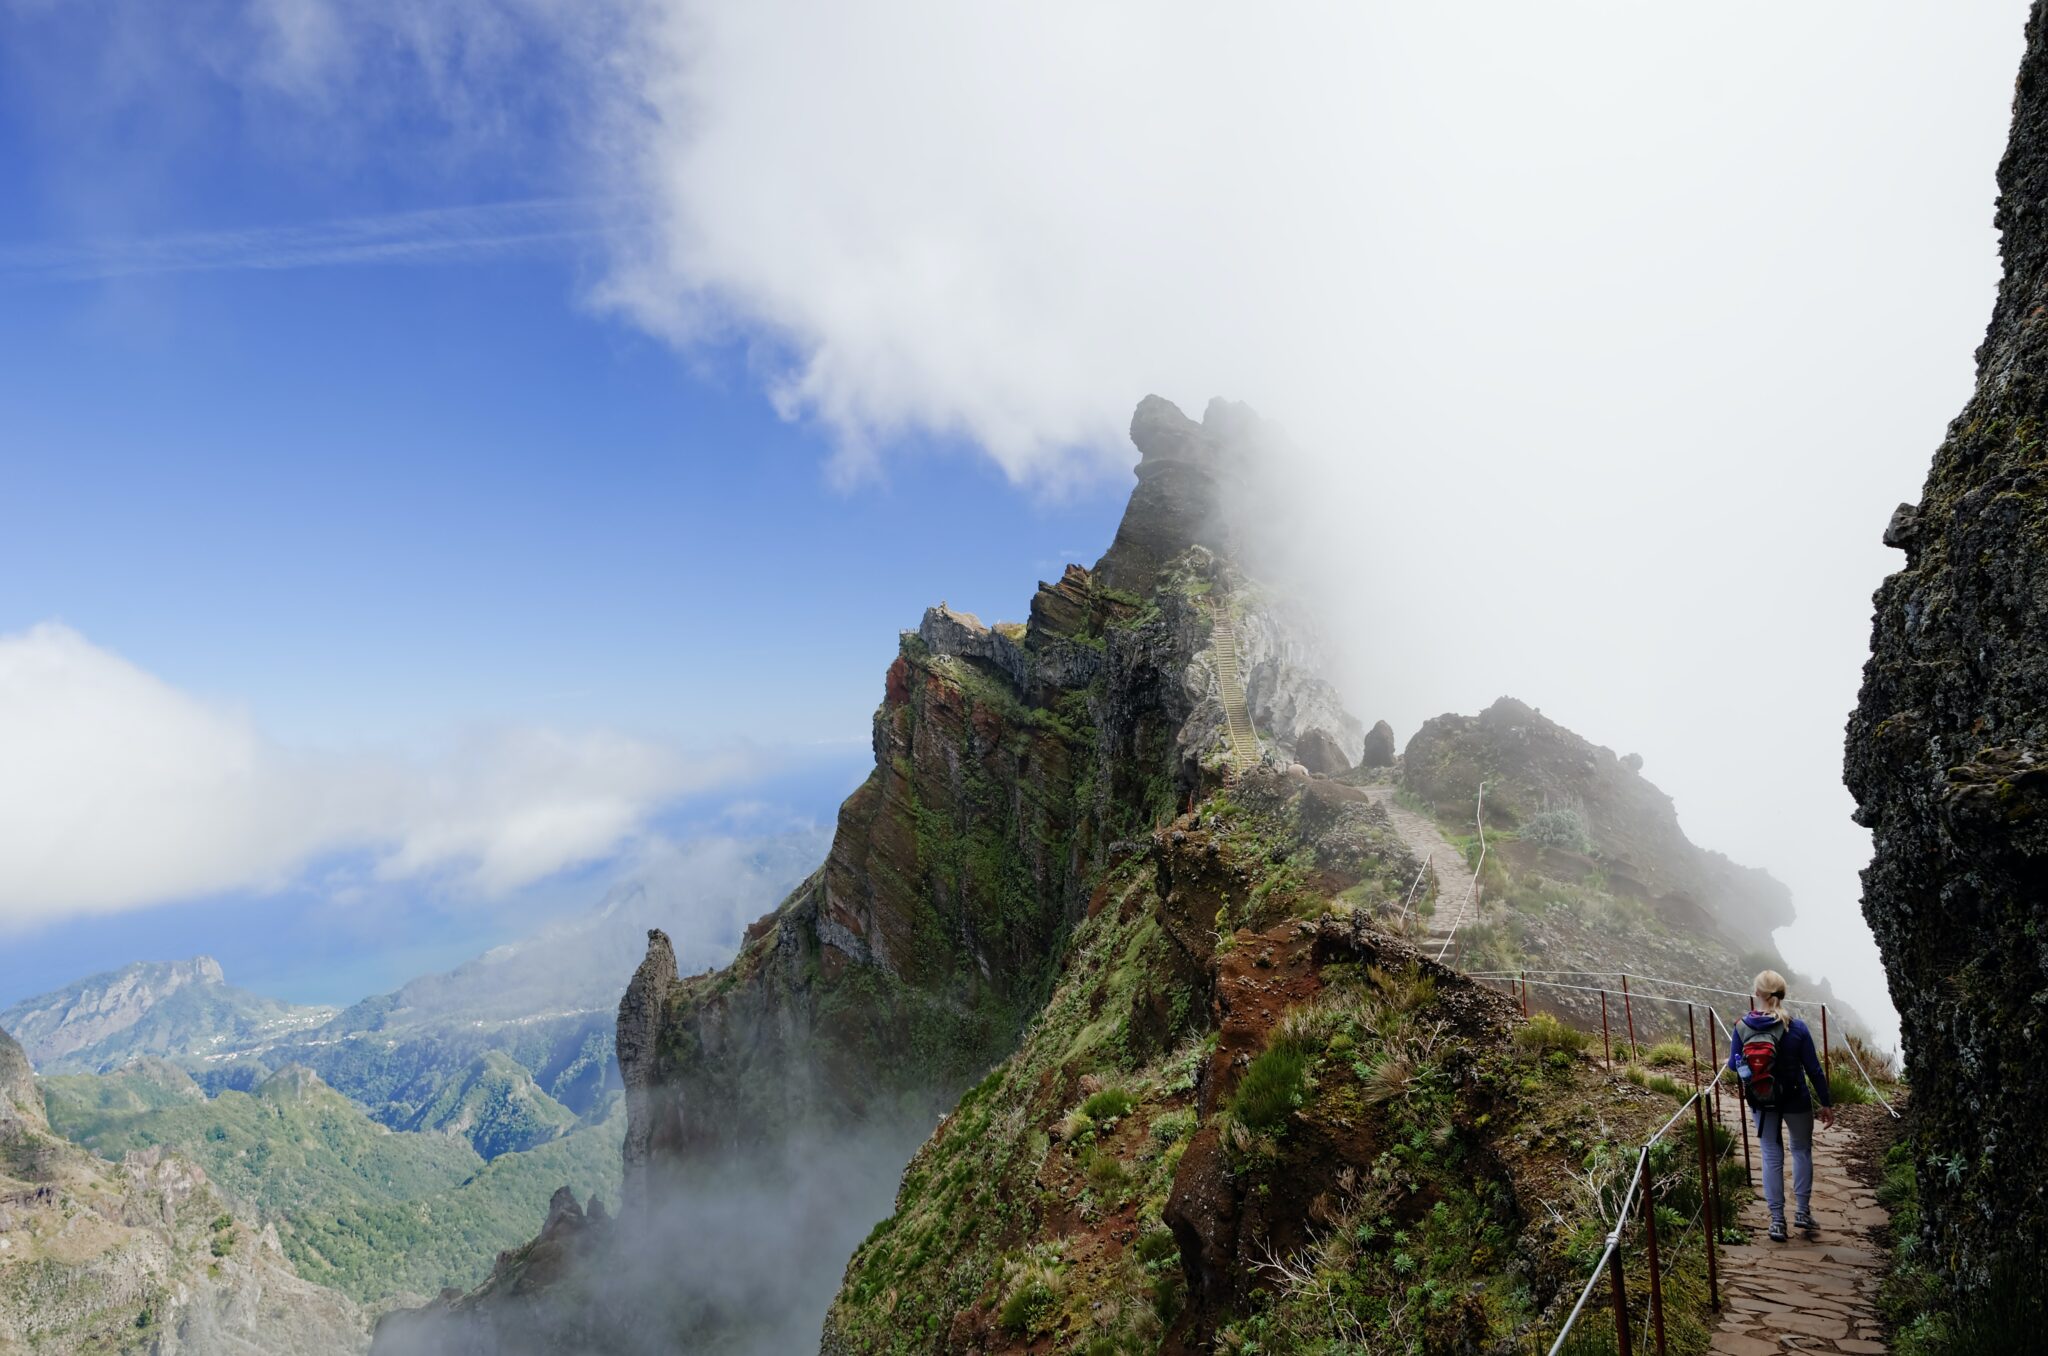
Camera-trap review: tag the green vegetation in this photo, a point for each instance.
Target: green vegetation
(370, 1211)
(1656, 1082)
(1562, 828)
(1272, 1087)
(1544, 1033)
(1108, 1104)
(964, 1234)
(293, 1140)
(1668, 1054)
(496, 1106)
(1919, 1301)
(1415, 1259)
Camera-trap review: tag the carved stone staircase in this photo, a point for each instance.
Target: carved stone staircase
(1237, 717)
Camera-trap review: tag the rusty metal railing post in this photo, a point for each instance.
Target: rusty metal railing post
(1713, 1019)
(1606, 1045)
(1635, 1052)
(1692, 1034)
(1614, 1272)
(1827, 1054)
(1525, 995)
(1650, 1236)
(1710, 1191)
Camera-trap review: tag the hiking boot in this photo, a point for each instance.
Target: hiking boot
(1778, 1234)
(1808, 1225)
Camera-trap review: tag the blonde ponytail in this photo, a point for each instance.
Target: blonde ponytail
(1768, 988)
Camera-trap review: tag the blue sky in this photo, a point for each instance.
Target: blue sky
(382, 502)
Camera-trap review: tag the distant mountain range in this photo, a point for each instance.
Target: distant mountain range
(373, 1213)
(508, 1051)
(166, 1008)
(384, 1150)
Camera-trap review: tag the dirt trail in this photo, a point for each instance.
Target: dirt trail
(1453, 877)
(1807, 1296)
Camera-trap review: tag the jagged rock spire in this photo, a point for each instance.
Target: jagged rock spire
(641, 1013)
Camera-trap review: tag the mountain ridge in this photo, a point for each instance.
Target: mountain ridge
(1058, 843)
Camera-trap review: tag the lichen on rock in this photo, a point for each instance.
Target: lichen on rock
(1947, 757)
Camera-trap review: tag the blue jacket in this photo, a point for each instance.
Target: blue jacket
(1798, 1064)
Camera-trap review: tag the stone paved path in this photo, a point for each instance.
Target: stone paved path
(1801, 1296)
(1454, 878)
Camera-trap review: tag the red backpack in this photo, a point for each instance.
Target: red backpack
(1760, 1053)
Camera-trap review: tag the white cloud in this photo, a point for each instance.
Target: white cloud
(118, 790)
(1613, 331)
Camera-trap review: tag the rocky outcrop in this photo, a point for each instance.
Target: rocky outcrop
(1179, 500)
(1014, 765)
(1948, 761)
(1320, 754)
(1531, 763)
(649, 1123)
(1380, 749)
(21, 1101)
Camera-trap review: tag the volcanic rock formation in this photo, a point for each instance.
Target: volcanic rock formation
(1948, 761)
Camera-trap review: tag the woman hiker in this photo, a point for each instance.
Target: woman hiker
(1772, 1052)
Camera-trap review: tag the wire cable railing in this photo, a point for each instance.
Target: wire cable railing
(1629, 995)
(1610, 1259)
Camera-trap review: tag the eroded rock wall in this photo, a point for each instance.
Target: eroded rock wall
(1948, 760)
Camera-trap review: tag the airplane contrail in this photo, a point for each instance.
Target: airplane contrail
(436, 235)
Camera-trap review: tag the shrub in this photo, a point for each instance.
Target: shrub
(1406, 990)
(1031, 1300)
(1033, 1293)
(1108, 1105)
(1882, 1065)
(1667, 1085)
(1561, 828)
(1157, 1245)
(1105, 1173)
(1171, 1127)
(1667, 1053)
(1272, 1087)
(1847, 1088)
(1543, 1033)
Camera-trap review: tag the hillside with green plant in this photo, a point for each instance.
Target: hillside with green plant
(373, 1212)
(1583, 872)
(1250, 1119)
(142, 1255)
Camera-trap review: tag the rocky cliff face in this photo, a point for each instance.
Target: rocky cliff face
(1531, 764)
(21, 1101)
(1948, 761)
(1249, 1118)
(1014, 764)
(1011, 761)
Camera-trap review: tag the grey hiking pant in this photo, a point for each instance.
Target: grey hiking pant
(1770, 1140)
